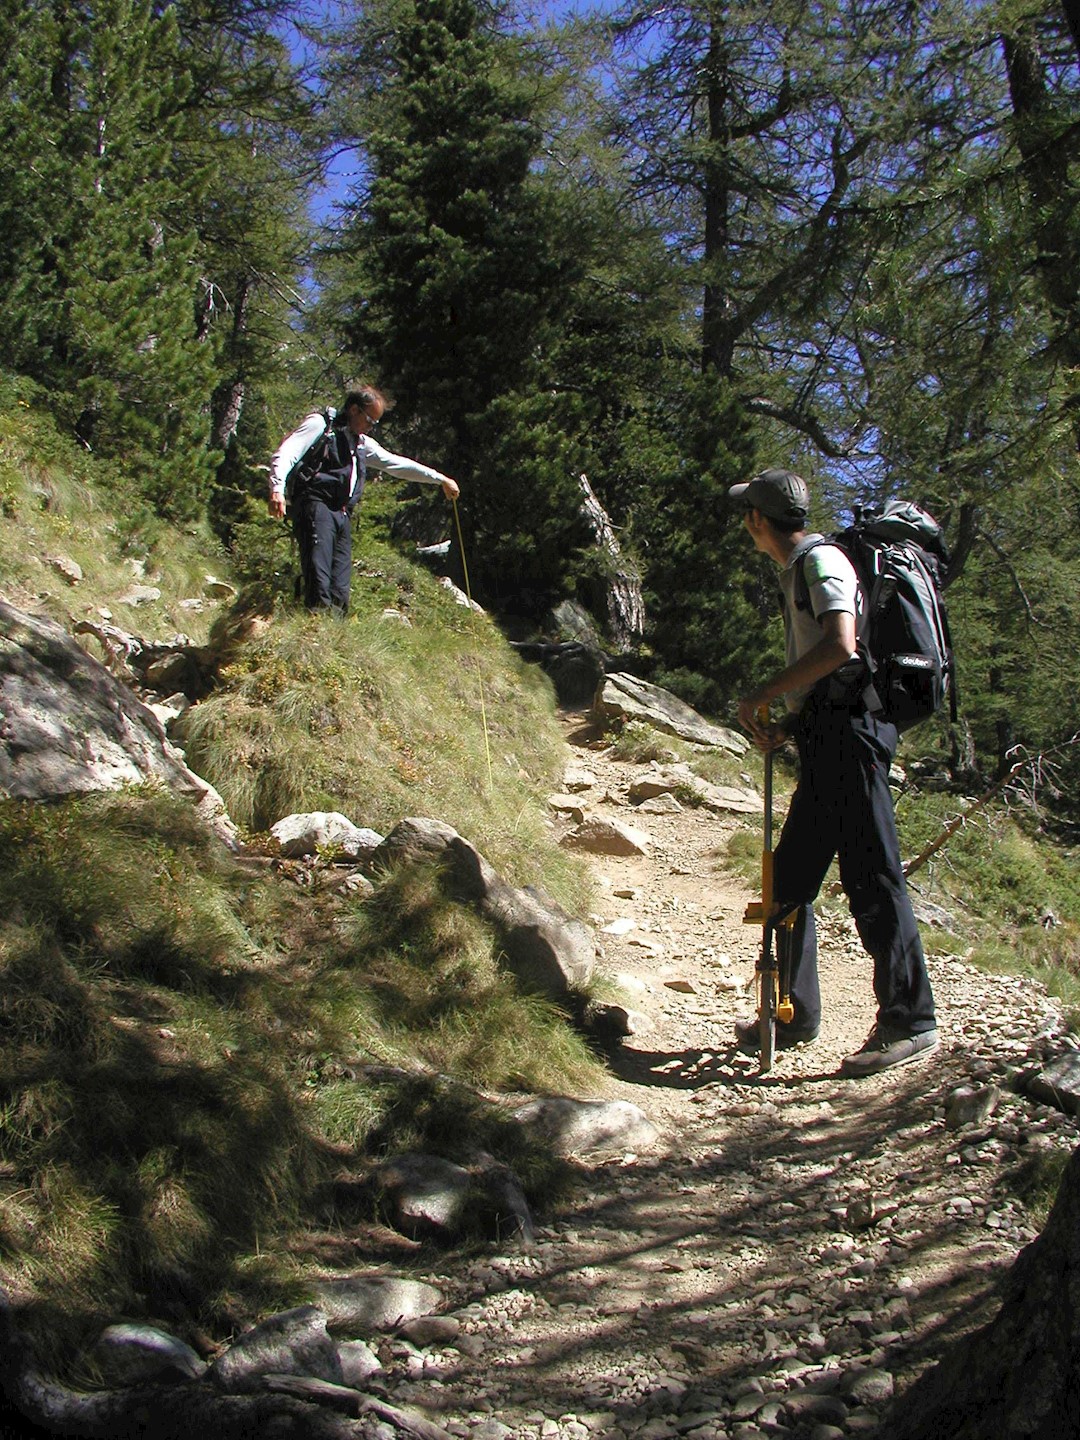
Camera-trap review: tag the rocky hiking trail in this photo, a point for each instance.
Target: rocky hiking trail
(795, 1248)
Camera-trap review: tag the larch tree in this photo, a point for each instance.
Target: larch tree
(876, 203)
(251, 131)
(960, 338)
(105, 290)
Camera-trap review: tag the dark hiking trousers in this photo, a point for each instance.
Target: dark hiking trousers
(842, 807)
(324, 537)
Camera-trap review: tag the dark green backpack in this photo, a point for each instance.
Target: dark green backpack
(904, 669)
(311, 462)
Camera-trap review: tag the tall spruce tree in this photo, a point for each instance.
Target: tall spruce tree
(712, 603)
(452, 277)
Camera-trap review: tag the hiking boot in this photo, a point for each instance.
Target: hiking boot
(748, 1035)
(885, 1048)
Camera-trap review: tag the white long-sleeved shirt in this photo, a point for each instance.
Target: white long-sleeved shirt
(295, 446)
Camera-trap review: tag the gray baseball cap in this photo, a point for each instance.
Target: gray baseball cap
(780, 494)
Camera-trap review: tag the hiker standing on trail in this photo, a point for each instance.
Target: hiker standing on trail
(842, 805)
(338, 449)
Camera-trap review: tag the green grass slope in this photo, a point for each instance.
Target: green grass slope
(187, 1035)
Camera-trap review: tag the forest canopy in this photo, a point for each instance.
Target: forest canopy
(655, 246)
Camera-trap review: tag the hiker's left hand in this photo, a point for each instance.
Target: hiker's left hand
(451, 489)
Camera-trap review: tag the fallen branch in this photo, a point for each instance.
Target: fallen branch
(355, 1403)
(1036, 764)
(958, 821)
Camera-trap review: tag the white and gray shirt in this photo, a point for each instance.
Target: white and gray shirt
(832, 585)
(295, 446)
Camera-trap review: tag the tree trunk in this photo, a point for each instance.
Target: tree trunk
(966, 531)
(1047, 150)
(626, 609)
(717, 339)
(1071, 9)
(229, 400)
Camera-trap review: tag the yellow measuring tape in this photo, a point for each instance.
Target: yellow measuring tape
(479, 676)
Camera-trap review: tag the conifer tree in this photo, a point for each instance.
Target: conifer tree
(870, 198)
(712, 605)
(129, 150)
(105, 292)
(453, 276)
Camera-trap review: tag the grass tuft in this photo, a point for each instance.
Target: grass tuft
(184, 1042)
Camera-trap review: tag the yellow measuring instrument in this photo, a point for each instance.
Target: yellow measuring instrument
(773, 965)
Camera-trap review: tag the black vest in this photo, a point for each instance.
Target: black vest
(332, 481)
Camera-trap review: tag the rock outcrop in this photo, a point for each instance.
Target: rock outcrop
(622, 698)
(69, 727)
(547, 950)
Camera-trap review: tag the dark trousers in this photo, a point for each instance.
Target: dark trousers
(843, 807)
(324, 537)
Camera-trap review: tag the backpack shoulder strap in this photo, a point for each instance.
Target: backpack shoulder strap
(318, 448)
(307, 467)
(854, 679)
(802, 589)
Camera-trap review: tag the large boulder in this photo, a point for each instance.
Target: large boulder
(547, 950)
(621, 698)
(1057, 1082)
(426, 1196)
(367, 1304)
(307, 834)
(430, 1197)
(295, 1342)
(68, 727)
(664, 780)
(588, 1129)
(128, 1354)
(602, 836)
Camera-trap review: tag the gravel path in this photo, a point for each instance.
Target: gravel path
(797, 1246)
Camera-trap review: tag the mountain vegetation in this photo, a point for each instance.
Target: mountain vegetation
(655, 247)
(196, 1041)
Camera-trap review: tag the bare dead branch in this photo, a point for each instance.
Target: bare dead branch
(805, 424)
(1028, 609)
(355, 1403)
(1037, 764)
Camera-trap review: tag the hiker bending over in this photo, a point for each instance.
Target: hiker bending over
(328, 457)
(842, 805)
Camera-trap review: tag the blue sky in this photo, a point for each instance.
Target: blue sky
(344, 171)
